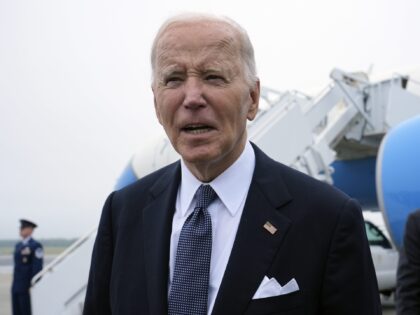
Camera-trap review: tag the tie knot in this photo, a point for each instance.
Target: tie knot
(205, 196)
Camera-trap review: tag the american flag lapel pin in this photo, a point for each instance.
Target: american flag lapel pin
(270, 228)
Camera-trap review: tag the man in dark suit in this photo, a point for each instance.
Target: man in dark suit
(261, 239)
(28, 260)
(408, 276)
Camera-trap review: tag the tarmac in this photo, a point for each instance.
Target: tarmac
(5, 283)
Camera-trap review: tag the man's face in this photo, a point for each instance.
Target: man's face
(26, 231)
(201, 96)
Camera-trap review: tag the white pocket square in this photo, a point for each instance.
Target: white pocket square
(270, 288)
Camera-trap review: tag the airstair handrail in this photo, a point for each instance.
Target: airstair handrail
(62, 256)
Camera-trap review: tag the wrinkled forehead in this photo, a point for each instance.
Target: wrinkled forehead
(197, 37)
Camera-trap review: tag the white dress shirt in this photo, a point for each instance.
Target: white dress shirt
(232, 189)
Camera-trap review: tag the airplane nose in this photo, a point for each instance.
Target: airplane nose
(193, 97)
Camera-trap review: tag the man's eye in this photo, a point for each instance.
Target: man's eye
(172, 81)
(215, 78)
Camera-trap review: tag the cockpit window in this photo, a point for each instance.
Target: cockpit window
(375, 236)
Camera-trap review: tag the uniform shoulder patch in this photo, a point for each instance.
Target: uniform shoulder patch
(39, 253)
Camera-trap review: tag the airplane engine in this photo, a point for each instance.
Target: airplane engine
(398, 176)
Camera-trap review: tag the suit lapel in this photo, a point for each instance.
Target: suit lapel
(157, 226)
(255, 247)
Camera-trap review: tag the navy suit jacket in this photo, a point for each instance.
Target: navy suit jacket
(408, 277)
(320, 241)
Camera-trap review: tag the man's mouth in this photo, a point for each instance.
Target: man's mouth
(197, 129)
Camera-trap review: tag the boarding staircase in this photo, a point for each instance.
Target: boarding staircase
(60, 287)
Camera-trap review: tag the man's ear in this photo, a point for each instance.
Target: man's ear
(157, 112)
(254, 94)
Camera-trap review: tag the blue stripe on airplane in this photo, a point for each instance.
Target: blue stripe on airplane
(357, 179)
(127, 177)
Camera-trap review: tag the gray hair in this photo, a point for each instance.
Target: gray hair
(246, 48)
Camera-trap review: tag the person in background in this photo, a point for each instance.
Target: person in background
(226, 230)
(28, 261)
(408, 275)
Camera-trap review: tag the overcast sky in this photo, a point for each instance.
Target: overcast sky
(75, 98)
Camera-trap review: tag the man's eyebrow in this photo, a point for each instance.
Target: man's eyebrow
(215, 66)
(218, 67)
(213, 70)
(171, 69)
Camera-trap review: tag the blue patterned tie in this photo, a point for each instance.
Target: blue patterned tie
(190, 283)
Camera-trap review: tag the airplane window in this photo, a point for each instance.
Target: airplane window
(375, 236)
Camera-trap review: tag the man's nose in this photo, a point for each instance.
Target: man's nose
(193, 97)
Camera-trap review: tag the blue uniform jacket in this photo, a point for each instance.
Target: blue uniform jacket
(28, 259)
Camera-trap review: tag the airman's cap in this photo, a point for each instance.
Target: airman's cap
(26, 223)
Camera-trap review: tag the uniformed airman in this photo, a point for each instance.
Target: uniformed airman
(28, 261)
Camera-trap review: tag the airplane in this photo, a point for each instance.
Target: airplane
(359, 135)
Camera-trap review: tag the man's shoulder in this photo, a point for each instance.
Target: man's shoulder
(413, 222)
(415, 215)
(34, 243)
(299, 186)
(301, 181)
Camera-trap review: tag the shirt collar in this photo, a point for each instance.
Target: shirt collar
(26, 240)
(238, 175)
